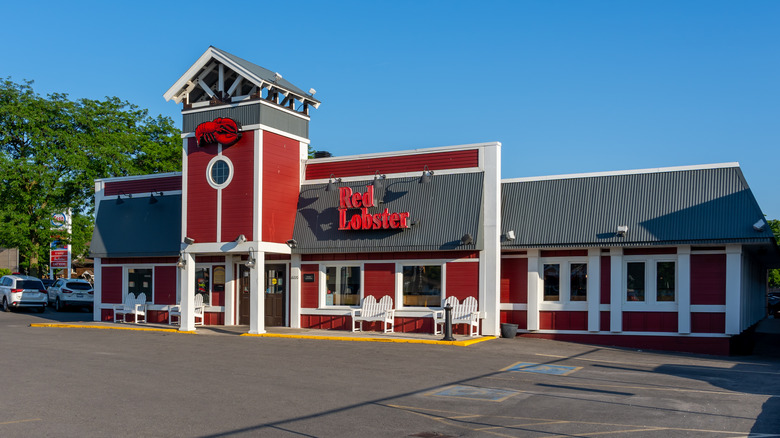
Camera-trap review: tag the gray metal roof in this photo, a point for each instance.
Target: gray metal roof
(137, 228)
(444, 210)
(691, 206)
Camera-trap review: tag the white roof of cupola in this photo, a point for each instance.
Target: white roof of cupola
(220, 77)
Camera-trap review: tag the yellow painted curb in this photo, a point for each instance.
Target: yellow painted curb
(465, 343)
(104, 327)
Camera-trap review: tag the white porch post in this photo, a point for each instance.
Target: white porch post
(684, 292)
(295, 291)
(594, 289)
(230, 290)
(616, 290)
(490, 257)
(534, 289)
(257, 295)
(187, 283)
(733, 289)
(97, 287)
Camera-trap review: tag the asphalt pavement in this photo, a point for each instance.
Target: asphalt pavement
(88, 382)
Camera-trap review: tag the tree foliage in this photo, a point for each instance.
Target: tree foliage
(51, 151)
(774, 274)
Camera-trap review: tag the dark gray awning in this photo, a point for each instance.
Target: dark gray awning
(136, 228)
(441, 211)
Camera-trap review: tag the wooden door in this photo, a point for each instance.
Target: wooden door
(243, 295)
(275, 294)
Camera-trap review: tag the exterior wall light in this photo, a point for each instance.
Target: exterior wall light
(622, 230)
(292, 243)
(182, 263)
(251, 260)
(510, 235)
(332, 183)
(189, 240)
(152, 199)
(240, 239)
(426, 175)
(466, 239)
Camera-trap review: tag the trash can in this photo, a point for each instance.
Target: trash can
(508, 330)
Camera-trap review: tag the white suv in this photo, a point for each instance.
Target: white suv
(22, 291)
(71, 292)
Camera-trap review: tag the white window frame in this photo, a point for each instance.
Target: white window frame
(564, 303)
(651, 286)
(126, 281)
(324, 283)
(399, 281)
(212, 162)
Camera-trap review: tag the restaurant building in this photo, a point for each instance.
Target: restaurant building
(670, 258)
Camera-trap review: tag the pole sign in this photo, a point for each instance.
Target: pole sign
(59, 251)
(365, 220)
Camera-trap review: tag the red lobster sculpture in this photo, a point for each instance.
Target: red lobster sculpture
(220, 130)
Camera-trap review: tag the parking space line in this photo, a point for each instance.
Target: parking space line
(21, 421)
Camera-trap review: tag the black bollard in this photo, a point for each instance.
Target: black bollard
(448, 323)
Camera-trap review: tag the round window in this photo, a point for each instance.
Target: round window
(220, 172)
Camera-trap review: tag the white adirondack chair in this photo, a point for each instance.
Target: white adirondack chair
(439, 315)
(200, 311)
(132, 306)
(467, 313)
(371, 310)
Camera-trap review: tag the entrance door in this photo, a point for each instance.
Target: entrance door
(275, 292)
(243, 295)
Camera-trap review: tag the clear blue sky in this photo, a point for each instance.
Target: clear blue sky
(565, 86)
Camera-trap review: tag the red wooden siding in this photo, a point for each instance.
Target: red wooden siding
(519, 317)
(463, 280)
(214, 318)
(708, 322)
(145, 185)
(310, 291)
(514, 280)
(397, 164)
(565, 253)
(562, 320)
(391, 256)
(379, 280)
(281, 183)
(605, 323)
(606, 279)
(649, 321)
(201, 197)
(327, 322)
(708, 279)
(238, 196)
(165, 284)
(138, 260)
(111, 284)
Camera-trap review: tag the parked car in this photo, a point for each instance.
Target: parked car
(774, 303)
(71, 292)
(22, 291)
(47, 282)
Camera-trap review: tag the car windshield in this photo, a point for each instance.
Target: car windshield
(74, 285)
(29, 284)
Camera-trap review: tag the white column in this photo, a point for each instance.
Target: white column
(534, 290)
(684, 289)
(257, 295)
(187, 282)
(490, 256)
(594, 289)
(616, 290)
(295, 291)
(230, 290)
(97, 287)
(733, 289)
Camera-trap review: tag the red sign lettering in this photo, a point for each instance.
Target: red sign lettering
(365, 220)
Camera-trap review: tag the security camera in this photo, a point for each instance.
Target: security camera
(759, 226)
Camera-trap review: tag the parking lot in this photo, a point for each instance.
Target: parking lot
(88, 382)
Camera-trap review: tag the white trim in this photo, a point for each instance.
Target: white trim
(594, 289)
(199, 107)
(261, 127)
(513, 306)
(257, 185)
(490, 268)
(97, 289)
(605, 333)
(257, 295)
(416, 174)
(708, 308)
(140, 177)
(295, 290)
(616, 290)
(231, 247)
(534, 289)
(212, 162)
(623, 172)
(683, 292)
(733, 289)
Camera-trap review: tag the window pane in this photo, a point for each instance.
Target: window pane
(579, 282)
(552, 282)
(665, 281)
(350, 285)
(139, 281)
(422, 286)
(635, 281)
(202, 285)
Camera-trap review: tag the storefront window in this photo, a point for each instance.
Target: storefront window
(422, 286)
(665, 281)
(552, 282)
(203, 285)
(218, 286)
(343, 283)
(578, 282)
(635, 281)
(139, 281)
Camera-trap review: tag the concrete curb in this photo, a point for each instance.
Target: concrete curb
(465, 343)
(140, 329)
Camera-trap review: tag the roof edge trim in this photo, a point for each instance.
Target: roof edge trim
(623, 172)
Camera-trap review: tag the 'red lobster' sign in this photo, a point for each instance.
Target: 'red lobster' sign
(220, 130)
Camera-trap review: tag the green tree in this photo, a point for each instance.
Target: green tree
(51, 151)
(774, 274)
